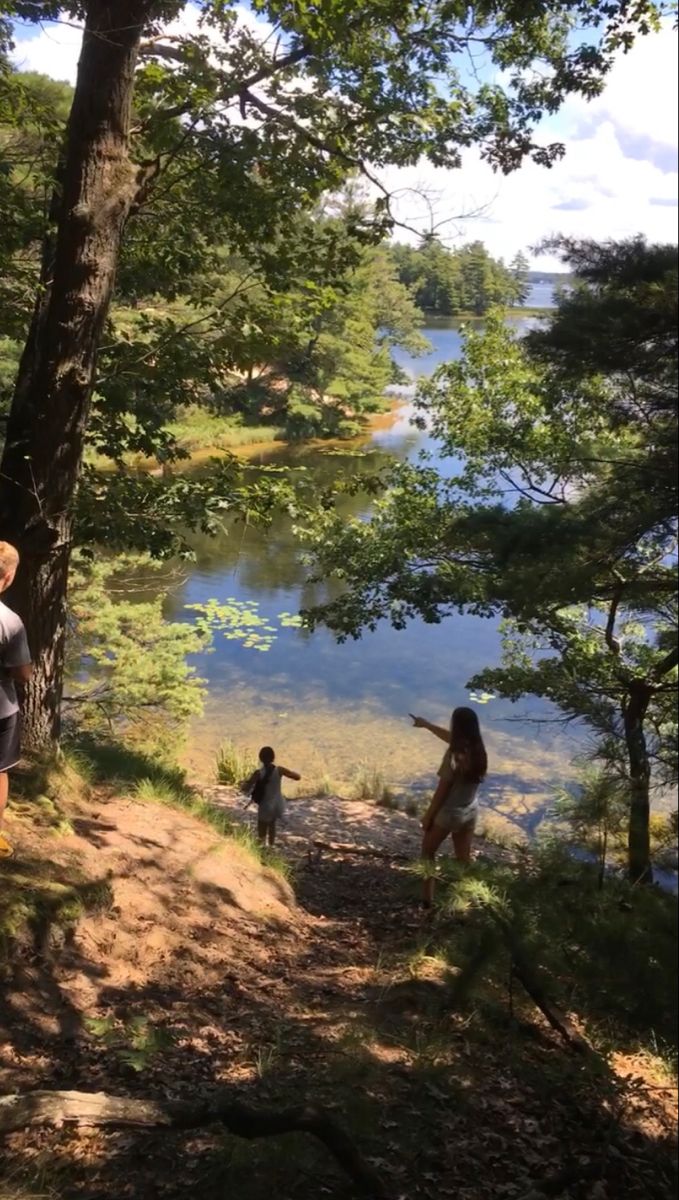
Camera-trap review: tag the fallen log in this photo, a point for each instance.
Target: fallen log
(100, 1109)
(361, 851)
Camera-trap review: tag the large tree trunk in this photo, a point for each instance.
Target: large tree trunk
(639, 840)
(50, 407)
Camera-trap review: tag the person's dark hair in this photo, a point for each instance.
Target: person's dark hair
(267, 756)
(465, 737)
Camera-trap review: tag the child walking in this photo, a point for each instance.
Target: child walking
(264, 787)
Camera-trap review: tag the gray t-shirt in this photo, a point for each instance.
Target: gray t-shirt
(461, 792)
(273, 804)
(14, 652)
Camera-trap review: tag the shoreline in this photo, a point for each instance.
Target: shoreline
(230, 438)
(380, 420)
(514, 310)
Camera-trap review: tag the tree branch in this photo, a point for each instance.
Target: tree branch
(351, 848)
(611, 640)
(285, 119)
(531, 492)
(667, 664)
(242, 286)
(98, 1108)
(532, 984)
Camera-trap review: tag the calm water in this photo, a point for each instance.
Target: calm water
(541, 295)
(329, 708)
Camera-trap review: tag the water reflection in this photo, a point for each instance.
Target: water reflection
(327, 739)
(328, 705)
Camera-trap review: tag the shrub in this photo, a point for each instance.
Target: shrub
(233, 764)
(596, 815)
(369, 784)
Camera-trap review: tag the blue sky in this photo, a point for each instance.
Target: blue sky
(619, 176)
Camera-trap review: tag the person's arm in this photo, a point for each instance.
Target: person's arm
(16, 656)
(21, 674)
(438, 730)
(290, 774)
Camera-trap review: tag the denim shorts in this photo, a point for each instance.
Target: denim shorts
(10, 737)
(454, 819)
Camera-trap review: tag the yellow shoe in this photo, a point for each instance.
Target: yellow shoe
(6, 850)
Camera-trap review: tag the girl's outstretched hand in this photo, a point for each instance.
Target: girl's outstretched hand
(418, 722)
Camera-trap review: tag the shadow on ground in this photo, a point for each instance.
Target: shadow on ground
(351, 1004)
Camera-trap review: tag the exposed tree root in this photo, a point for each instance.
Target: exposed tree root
(98, 1108)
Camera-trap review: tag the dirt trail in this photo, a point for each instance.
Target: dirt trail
(339, 995)
(178, 889)
(332, 819)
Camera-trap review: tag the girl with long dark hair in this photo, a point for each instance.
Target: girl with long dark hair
(454, 808)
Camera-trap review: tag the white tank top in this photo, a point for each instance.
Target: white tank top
(273, 804)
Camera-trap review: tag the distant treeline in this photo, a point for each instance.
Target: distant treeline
(553, 277)
(464, 280)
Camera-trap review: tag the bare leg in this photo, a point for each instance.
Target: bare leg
(462, 841)
(4, 793)
(433, 837)
(262, 831)
(272, 833)
(5, 848)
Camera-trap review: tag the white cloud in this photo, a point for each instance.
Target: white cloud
(641, 91)
(619, 176)
(54, 49)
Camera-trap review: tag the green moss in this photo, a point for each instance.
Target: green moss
(37, 895)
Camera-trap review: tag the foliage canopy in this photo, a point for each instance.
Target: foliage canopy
(558, 512)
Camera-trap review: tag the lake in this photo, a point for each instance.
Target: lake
(327, 708)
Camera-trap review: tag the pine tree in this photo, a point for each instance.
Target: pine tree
(519, 268)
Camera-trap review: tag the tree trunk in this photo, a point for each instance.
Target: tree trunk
(603, 854)
(639, 841)
(50, 407)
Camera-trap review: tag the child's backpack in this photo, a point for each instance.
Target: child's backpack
(258, 793)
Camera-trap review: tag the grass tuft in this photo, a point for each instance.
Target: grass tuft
(45, 785)
(233, 764)
(327, 787)
(150, 791)
(198, 429)
(112, 763)
(369, 783)
(413, 807)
